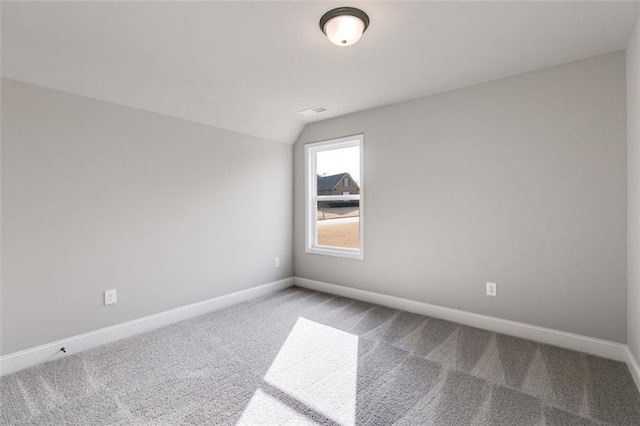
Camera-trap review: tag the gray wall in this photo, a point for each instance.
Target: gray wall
(633, 190)
(521, 181)
(97, 196)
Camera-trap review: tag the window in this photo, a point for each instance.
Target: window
(334, 220)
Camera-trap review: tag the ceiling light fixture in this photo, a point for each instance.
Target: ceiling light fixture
(344, 26)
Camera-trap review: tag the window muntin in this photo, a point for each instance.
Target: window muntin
(334, 192)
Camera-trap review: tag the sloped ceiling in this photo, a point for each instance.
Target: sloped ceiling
(251, 66)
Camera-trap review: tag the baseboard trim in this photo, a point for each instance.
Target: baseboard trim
(603, 348)
(29, 357)
(634, 367)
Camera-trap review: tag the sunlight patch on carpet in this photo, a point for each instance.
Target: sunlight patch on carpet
(263, 407)
(318, 366)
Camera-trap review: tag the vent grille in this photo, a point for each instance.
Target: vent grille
(309, 112)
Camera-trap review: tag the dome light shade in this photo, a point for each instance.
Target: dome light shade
(344, 30)
(344, 26)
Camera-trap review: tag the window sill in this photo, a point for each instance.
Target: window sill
(337, 252)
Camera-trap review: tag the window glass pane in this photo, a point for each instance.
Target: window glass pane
(338, 223)
(338, 171)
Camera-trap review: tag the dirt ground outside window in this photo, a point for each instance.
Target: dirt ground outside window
(333, 232)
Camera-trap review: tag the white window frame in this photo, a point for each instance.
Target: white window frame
(312, 198)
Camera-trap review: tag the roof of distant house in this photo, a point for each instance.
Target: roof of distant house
(327, 183)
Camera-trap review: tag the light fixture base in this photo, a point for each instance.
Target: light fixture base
(339, 11)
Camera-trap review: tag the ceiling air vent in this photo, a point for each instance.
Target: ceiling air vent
(310, 112)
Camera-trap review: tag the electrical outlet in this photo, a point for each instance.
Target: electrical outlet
(277, 262)
(492, 289)
(110, 297)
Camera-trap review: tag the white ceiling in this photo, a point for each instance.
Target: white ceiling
(250, 67)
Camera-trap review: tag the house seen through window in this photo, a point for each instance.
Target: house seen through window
(334, 203)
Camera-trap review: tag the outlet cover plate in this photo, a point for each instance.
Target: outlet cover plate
(492, 289)
(110, 297)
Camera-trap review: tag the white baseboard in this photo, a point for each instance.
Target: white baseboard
(27, 358)
(634, 367)
(603, 348)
